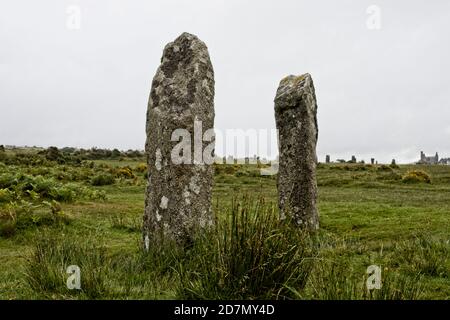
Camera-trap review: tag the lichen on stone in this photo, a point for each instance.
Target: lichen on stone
(296, 121)
(158, 159)
(164, 202)
(182, 92)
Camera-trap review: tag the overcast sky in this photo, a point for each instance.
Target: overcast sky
(382, 85)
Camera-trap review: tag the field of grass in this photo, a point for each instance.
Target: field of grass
(370, 215)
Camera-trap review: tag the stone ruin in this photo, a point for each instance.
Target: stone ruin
(181, 105)
(428, 160)
(432, 160)
(296, 121)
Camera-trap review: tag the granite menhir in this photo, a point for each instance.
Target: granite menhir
(178, 194)
(296, 121)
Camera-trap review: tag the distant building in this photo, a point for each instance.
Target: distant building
(433, 160)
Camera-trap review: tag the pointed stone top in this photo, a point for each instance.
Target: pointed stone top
(291, 79)
(186, 35)
(185, 51)
(184, 41)
(292, 87)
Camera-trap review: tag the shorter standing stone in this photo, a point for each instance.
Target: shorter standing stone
(296, 121)
(372, 161)
(327, 159)
(353, 159)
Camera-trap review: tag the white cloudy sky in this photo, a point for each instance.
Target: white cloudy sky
(382, 93)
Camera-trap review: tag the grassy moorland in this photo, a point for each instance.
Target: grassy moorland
(59, 211)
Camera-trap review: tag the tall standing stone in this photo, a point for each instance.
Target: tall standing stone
(327, 159)
(296, 121)
(180, 111)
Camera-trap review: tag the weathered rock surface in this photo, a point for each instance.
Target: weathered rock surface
(178, 196)
(296, 121)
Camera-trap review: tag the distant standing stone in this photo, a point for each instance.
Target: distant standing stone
(327, 159)
(353, 159)
(372, 161)
(296, 121)
(178, 195)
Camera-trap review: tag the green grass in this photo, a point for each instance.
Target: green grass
(367, 215)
